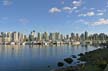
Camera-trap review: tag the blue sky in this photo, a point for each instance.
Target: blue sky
(63, 16)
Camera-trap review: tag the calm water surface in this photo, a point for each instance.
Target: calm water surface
(27, 58)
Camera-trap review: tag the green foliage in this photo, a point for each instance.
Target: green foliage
(96, 60)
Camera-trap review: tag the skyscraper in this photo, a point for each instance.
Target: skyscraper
(39, 37)
(72, 36)
(77, 37)
(46, 36)
(3, 36)
(32, 36)
(9, 38)
(61, 37)
(86, 35)
(82, 37)
(0, 39)
(15, 37)
(57, 36)
(67, 37)
(52, 36)
(20, 37)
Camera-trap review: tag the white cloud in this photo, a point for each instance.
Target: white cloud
(103, 10)
(74, 8)
(90, 14)
(54, 10)
(77, 3)
(92, 8)
(84, 15)
(7, 2)
(23, 20)
(100, 14)
(87, 14)
(67, 8)
(101, 21)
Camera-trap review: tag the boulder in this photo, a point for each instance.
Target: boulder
(74, 56)
(81, 54)
(68, 60)
(60, 64)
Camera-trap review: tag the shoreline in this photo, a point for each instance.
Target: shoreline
(43, 43)
(96, 60)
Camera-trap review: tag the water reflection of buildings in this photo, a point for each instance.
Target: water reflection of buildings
(39, 52)
(7, 50)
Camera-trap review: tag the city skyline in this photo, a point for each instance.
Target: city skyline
(38, 38)
(63, 16)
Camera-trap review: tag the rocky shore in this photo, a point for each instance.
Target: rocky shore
(96, 60)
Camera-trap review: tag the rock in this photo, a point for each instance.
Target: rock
(86, 52)
(68, 60)
(60, 64)
(73, 56)
(48, 66)
(78, 61)
(81, 54)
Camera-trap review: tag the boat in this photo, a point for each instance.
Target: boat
(12, 43)
(76, 43)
